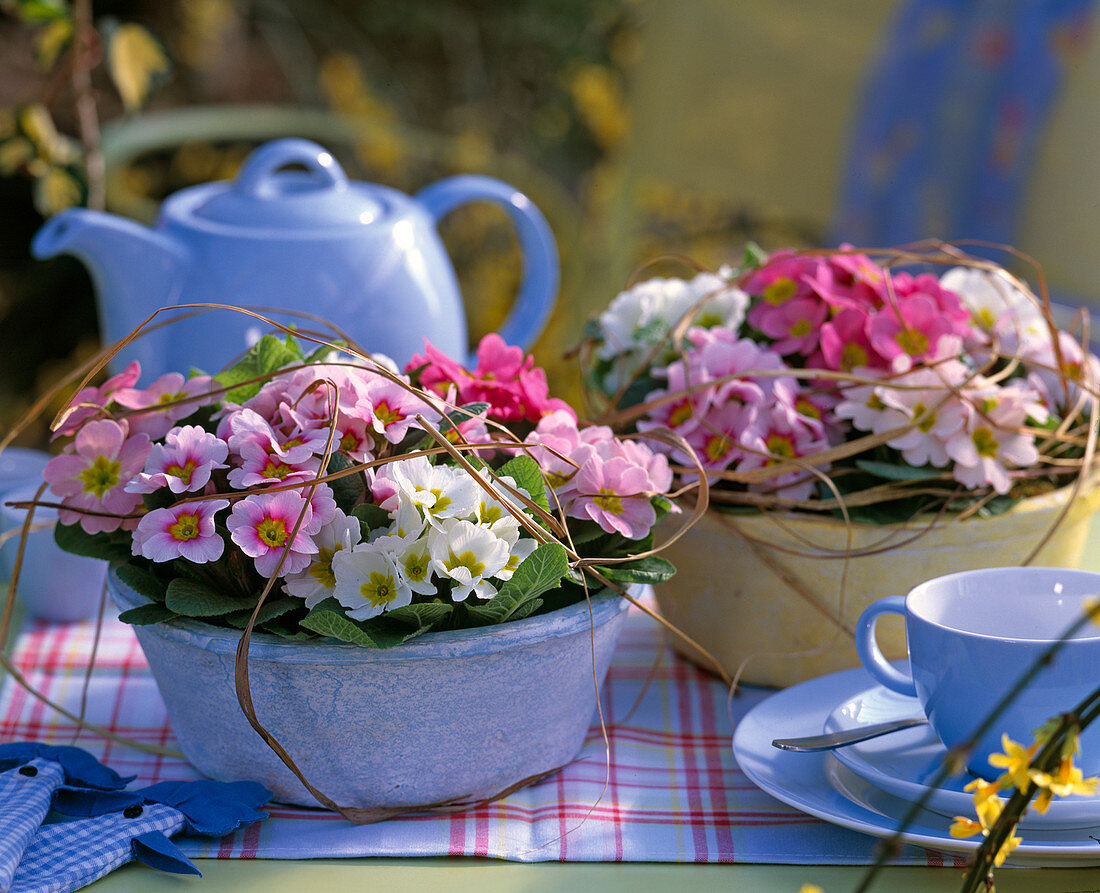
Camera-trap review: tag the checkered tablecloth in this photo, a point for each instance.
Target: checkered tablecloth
(667, 790)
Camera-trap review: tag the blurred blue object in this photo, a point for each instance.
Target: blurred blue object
(953, 114)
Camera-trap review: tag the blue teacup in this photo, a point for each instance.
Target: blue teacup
(972, 635)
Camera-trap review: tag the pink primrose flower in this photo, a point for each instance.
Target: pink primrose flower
(92, 401)
(795, 325)
(393, 409)
(615, 494)
(782, 435)
(260, 463)
(990, 444)
(262, 524)
(946, 301)
(185, 530)
(596, 476)
(92, 476)
(1081, 370)
(784, 277)
(183, 463)
(913, 331)
(166, 401)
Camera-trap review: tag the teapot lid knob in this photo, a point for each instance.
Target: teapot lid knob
(256, 178)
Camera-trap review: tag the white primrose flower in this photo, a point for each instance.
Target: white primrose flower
(439, 491)
(520, 551)
(317, 582)
(414, 561)
(468, 555)
(368, 582)
(641, 317)
(493, 513)
(996, 305)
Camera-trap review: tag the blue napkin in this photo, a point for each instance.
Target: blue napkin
(30, 775)
(118, 826)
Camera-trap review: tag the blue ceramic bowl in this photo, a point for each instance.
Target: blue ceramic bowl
(461, 715)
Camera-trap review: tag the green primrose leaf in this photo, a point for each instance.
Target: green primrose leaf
(265, 357)
(370, 517)
(892, 472)
(271, 609)
(651, 569)
(327, 619)
(540, 572)
(348, 491)
(194, 599)
(143, 582)
(526, 473)
(73, 538)
(144, 615)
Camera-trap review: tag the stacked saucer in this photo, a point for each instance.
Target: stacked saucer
(888, 785)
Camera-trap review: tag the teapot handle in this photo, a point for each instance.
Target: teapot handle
(541, 272)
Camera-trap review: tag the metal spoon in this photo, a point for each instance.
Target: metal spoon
(834, 740)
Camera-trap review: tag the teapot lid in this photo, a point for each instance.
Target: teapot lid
(265, 196)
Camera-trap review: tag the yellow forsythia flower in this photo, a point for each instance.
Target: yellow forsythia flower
(1016, 761)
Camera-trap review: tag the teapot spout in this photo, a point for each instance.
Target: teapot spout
(134, 269)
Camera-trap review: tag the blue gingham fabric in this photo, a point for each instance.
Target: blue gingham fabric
(25, 795)
(117, 826)
(70, 855)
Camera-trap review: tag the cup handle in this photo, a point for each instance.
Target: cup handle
(541, 271)
(871, 655)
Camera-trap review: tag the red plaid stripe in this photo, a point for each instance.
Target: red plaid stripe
(666, 788)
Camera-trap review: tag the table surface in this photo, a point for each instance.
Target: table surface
(489, 876)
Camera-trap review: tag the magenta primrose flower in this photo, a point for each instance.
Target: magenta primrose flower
(91, 476)
(262, 526)
(509, 382)
(185, 530)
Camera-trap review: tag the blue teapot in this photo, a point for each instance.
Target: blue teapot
(363, 257)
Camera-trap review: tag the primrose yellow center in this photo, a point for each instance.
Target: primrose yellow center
(852, 356)
(806, 408)
(512, 563)
(101, 476)
(780, 291)
(780, 446)
(984, 318)
(416, 568)
(183, 472)
(875, 402)
(989, 404)
(348, 442)
(609, 501)
(912, 341)
(490, 514)
(164, 399)
(386, 415)
(554, 479)
(708, 319)
(321, 569)
(801, 328)
(929, 420)
(985, 442)
(272, 532)
(277, 470)
(467, 560)
(379, 589)
(680, 414)
(717, 447)
(186, 528)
